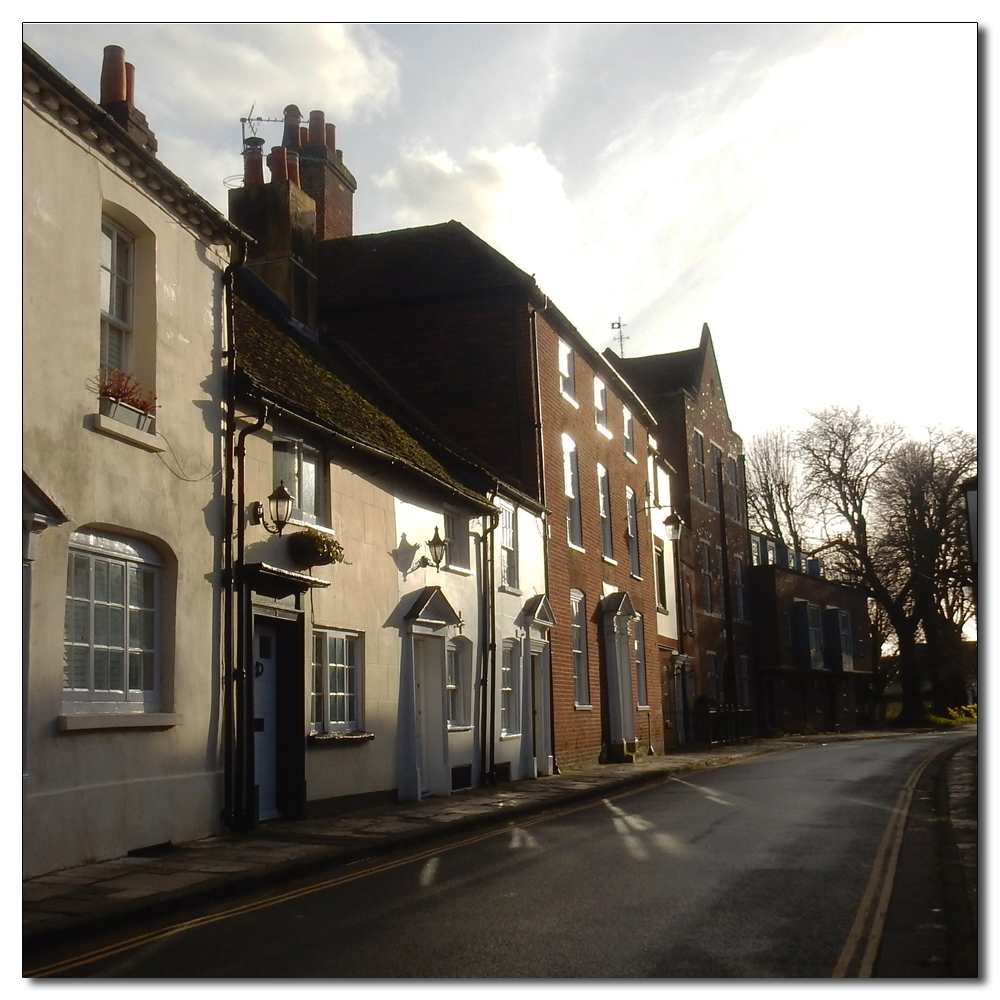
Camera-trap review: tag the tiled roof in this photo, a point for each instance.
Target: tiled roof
(662, 374)
(423, 262)
(323, 386)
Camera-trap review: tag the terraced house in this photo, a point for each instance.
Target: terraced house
(123, 458)
(471, 342)
(415, 662)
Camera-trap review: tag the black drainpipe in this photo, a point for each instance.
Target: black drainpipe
(244, 813)
(488, 632)
(228, 567)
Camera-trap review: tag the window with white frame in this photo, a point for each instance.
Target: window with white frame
(717, 484)
(571, 481)
(604, 505)
(336, 702)
(456, 536)
(733, 492)
(699, 466)
(117, 284)
(846, 640)
(744, 681)
(510, 690)
(660, 560)
(628, 432)
(687, 607)
(714, 676)
(508, 544)
(581, 672)
(111, 648)
(706, 576)
(740, 590)
(299, 467)
(601, 406)
(458, 682)
(567, 374)
(641, 693)
(633, 531)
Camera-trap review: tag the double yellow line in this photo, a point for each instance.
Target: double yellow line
(869, 922)
(109, 951)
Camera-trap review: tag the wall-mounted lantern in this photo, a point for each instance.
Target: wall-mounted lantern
(279, 505)
(438, 548)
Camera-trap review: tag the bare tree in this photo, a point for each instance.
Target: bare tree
(844, 456)
(776, 498)
(923, 532)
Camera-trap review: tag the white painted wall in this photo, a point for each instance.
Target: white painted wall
(98, 793)
(511, 627)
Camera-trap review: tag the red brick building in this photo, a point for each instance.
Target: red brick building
(472, 342)
(812, 641)
(712, 685)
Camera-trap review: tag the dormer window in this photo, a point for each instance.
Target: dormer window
(298, 466)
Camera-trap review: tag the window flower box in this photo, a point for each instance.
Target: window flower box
(125, 414)
(123, 398)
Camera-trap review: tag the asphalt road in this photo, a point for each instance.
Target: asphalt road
(776, 867)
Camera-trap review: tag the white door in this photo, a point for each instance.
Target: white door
(429, 676)
(265, 716)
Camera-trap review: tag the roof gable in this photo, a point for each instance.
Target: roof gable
(406, 264)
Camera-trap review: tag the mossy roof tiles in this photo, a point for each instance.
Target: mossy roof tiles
(323, 386)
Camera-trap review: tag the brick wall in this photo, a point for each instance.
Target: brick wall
(579, 733)
(464, 363)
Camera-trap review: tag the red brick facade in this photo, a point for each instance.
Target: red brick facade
(684, 393)
(582, 733)
(471, 343)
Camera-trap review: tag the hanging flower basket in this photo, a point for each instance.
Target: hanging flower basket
(315, 548)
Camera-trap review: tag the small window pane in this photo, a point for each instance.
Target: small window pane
(100, 580)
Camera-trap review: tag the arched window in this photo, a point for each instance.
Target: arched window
(111, 659)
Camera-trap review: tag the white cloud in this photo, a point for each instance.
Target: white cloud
(512, 197)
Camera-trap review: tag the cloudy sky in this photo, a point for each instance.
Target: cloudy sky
(808, 190)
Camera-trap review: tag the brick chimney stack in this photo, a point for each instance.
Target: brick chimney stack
(118, 96)
(323, 174)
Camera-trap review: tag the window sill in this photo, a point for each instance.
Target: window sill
(459, 729)
(601, 429)
(583, 708)
(635, 576)
(609, 560)
(569, 399)
(631, 458)
(504, 589)
(460, 570)
(115, 428)
(339, 739)
(298, 521)
(643, 708)
(510, 736)
(117, 720)
(576, 548)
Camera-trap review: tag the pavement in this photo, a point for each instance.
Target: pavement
(91, 897)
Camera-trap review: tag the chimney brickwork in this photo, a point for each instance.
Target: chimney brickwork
(118, 95)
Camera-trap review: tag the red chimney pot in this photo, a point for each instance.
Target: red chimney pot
(113, 86)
